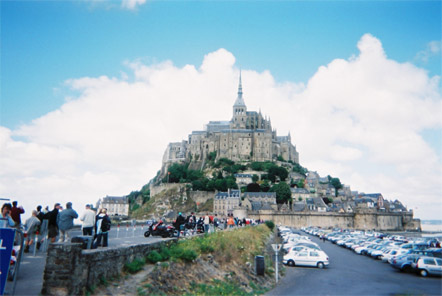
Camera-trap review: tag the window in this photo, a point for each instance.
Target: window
(302, 254)
(429, 261)
(314, 254)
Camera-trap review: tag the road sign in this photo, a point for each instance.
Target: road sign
(6, 243)
(276, 247)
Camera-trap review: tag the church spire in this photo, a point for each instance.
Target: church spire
(240, 86)
(239, 100)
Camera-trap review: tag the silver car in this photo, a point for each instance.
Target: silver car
(428, 265)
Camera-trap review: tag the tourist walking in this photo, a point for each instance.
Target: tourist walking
(16, 212)
(32, 225)
(52, 222)
(102, 227)
(88, 219)
(65, 222)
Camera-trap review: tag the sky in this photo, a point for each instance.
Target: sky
(93, 91)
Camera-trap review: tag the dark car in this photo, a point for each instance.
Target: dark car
(403, 263)
(434, 252)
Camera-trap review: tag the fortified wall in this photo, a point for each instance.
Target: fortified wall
(363, 220)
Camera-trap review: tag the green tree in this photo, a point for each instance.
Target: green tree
(176, 173)
(221, 185)
(255, 178)
(336, 183)
(253, 187)
(299, 169)
(283, 192)
(265, 186)
(301, 183)
(231, 182)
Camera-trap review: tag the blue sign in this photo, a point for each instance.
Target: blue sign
(6, 243)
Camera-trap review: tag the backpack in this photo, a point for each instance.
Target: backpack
(105, 224)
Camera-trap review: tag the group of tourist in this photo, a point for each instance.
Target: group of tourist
(210, 222)
(56, 223)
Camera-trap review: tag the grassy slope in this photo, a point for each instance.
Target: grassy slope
(216, 264)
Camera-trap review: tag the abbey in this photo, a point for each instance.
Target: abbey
(248, 136)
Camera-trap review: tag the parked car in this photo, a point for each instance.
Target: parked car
(428, 266)
(403, 263)
(306, 258)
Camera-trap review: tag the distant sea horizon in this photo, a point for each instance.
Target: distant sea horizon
(431, 225)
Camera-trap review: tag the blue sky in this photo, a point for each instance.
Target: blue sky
(46, 42)
(355, 82)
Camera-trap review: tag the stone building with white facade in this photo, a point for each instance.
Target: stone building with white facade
(225, 202)
(115, 205)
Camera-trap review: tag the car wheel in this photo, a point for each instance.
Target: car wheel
(147, 234)
(320, 265)
(291, 263)
(423, 272)
(406, 268)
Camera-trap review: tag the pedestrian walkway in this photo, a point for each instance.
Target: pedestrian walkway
(30, 275)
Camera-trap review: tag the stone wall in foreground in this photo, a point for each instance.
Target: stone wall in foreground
(70, 270)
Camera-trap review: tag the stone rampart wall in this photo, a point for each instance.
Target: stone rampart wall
(154, 190)
(70, 270)
(358, 220)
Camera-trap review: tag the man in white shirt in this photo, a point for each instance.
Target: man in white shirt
(88, 219)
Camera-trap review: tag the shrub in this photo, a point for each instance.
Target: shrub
(134, 266)
(154, 257)
(165, 254)
(270, 225)
(185, 254)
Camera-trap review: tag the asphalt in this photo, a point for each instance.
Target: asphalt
(31, 269)
(352, 274)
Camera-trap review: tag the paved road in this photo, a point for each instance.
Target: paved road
(352, 274)
(30, 276)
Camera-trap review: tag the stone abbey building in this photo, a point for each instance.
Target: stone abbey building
(248, 136)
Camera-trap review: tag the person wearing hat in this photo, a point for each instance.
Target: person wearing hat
(65, 222)
(52, 222)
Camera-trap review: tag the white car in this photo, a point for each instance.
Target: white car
(428, 265)
(306, 258)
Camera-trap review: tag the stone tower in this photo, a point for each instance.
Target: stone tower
(239, 119)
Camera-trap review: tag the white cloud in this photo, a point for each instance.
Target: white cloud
(433, 48)
(132, 4)
(357, 119)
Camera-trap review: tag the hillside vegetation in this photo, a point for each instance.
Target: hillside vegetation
(217, 175)
(220, 263)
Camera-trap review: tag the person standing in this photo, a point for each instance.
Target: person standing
(16, 212)
(179, 223)
(206, 223)
(32, 225)
(102, 227)
(88, 219)
(65, 222)
(52, 222)
(6, 221)
(41, 215)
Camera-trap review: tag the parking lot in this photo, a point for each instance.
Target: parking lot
(352, 274)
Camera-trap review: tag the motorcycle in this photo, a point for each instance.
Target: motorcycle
(159, 229)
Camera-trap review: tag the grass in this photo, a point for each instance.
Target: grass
(217, 287)
(135, 266)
